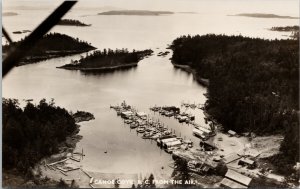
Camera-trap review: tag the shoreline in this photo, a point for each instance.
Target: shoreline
(202, 81)
(50, 55)
(66, 151)
(99, 68)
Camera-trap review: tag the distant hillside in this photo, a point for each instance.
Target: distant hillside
(70, 22)
(263, 15)
(50, 46)
(136, 13)
(108, 60)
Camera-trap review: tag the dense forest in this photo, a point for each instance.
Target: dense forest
(32, 133)
(52, 45)
(254, 84)
(108, 59)
(71, 22)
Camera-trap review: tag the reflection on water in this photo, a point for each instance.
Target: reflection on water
(105, 72)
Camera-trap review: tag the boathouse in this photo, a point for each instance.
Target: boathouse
(126, 114)
(172, 143)
(163, 141)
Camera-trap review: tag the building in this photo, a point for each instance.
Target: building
(234, 179)
(231, 133)
(172, 143)
(126, 114)
(247, 162)
(231, 157)
(227, 183)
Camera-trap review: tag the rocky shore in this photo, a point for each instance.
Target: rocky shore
(202, 81)
(49, 55)
(66, 150)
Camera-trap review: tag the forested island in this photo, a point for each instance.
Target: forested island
(285, 28)
(71, 22)
(253, 86)
(9, 14)
(136, 13)
(50, 46)
(264, 15)
(32, 133)
(108, 60)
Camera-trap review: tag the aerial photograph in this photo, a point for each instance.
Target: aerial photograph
(150, 94)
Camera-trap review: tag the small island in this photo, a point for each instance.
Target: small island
(108, 60)
(264, 15)
(9, 14)
(80, 116)
(52, 45)
(285, 28)
(71, 22)
(136, 13)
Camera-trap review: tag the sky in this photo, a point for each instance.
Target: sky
(286, 7)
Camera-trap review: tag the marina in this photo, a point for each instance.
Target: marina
(141, 138)
(153, 129)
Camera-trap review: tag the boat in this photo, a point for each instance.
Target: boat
(140, 130)
(133, 125)
(128, 121)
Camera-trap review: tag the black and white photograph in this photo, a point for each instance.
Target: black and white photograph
(150, 94)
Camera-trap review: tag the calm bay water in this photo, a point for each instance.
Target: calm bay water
(154, 81)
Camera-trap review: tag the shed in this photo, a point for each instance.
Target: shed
(199, 133)
(204, 130)
(226, 183)
(164, 141)
(172, 143)
(247, 162)
(237, 177)
(231, 133)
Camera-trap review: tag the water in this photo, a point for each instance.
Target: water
(154, 81)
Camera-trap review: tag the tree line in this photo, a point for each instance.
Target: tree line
(254, 84)
(54, 42)
(109, 57)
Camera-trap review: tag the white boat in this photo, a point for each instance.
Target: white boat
(199, 133)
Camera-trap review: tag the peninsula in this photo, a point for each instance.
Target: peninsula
(249, 81)
(71, 22)
(41, 132)
(136, 13)
(52, 45)
(264, 15)
(108, 60)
